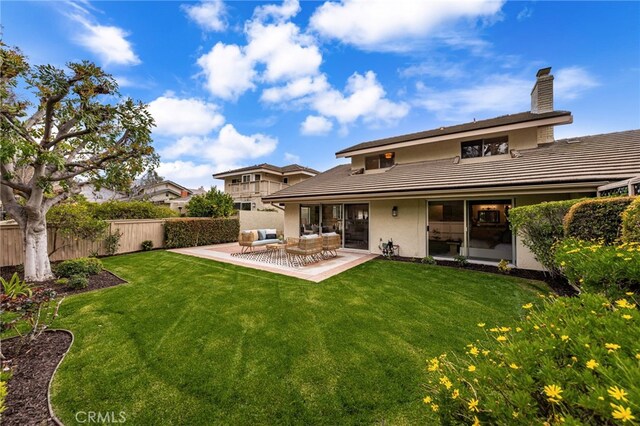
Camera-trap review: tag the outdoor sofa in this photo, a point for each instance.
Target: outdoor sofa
(253, 238)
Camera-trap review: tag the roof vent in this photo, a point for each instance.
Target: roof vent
(357, 171)
(456, 159)
(515, 153)
(573, 140)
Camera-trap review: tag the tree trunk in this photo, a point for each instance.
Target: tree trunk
(36, 254)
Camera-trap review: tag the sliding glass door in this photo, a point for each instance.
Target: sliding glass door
(445, 230)
(490, 236)
(356, 226)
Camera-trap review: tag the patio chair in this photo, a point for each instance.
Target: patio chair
(330, 244)
(305, 250)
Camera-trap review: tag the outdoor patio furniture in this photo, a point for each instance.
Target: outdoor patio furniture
(330, 244)
(250, 239)
(308, 249)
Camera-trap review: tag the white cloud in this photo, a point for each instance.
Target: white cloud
(316, 125)
(296, 89)
(287, 10)
(177, 117)
(496, 94)
(389, 25)
(525, 13)
(208, 14)
(445, 70)
(365, 99)
(188, 173)
(291, 158)
(570, 83)
(109, 43)
(228, 71)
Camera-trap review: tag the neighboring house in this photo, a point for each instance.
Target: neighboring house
(447, 191)
(248, 185)
(180, 204)
(161, 192)
(100, 195)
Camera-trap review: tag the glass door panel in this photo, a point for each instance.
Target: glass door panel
(445, 232)
(309, 220)
(490, 236)
(356, 226)
(332, 218)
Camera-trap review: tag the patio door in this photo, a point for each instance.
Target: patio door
(356, 226)
(445, 228)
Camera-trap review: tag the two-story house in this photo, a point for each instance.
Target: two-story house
(248, 185)
(161, 192)
(448, 191)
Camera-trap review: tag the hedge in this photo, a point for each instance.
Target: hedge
(191, 232)
(596, 219)
(541, 226)
(631, 222)
(112, 210)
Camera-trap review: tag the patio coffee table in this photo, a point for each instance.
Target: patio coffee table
(276, 253)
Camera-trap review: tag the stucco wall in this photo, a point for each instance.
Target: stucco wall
(261, 220)
(407, 230)
(292, 220)
(518, 139)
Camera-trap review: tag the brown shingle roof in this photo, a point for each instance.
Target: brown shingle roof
(504, 120)
(267, 166)
(605, 157)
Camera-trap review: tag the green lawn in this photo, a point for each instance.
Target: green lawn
(193, 341)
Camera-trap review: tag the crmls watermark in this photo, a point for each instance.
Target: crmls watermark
(101, 417)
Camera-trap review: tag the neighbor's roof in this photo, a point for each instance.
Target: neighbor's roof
(285, 169)
(598, 158)
(504, 120)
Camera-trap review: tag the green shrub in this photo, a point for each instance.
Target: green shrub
(112, 210)
(78, 282)
(576, 360)
(428, 260)
(62, 281)
(81, 266)
(596, 219)
(597, 267)
(147, 245)
(503, 266)
(15, 287)
(461, 260)
(213, 203)
(200, 232)
(112, 242)
(74, 220)
(631, 222)
(541, 226)
(3, 396)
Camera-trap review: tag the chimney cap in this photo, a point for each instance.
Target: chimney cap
(543, 72)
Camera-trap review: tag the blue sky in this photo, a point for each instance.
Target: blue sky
(238, 83)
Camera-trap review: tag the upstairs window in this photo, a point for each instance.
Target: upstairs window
(381, 161)
(285, 180)
(485, 147)
(236, 180)
(257, 177)
(246, 178)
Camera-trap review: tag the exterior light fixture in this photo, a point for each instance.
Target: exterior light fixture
(388, 155)
(394, 211)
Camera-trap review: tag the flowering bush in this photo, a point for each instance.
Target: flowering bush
(597, 267)
(631, 222)
(574, 361)
(596, 219)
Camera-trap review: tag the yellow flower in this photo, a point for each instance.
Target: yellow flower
(514, 366)
(592, 364)
(501, 338)
(621, 413)
(564, 337)
(515, 414)
(486, 352)
(446, 382)
(476, 422)
(427, 400)
(434, 407)
(627, 316)
(622, 303)
(617, 393)
(434, 364)
(528, 306)
(455, 394)
(536, 327)
(481, 324)
(473, 405)
(493, 330)
(638, 355)
(518, 329)
(553, 392)
(612, 346)
(629, 293)
(472, 368)
(474, 351)
(505, 329)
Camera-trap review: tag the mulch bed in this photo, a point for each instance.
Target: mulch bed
(559, 285)
(31, 370)
(102, 280)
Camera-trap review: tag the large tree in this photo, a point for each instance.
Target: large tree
(61, 129)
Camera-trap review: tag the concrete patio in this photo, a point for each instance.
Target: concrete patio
(314, 272)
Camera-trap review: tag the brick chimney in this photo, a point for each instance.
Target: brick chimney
(542, 93)
(542, 101)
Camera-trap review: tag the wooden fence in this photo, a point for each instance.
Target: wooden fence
(134, 232)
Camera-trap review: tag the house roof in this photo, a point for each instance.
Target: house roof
(599, 158)
(291, 168)
(504, 120)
